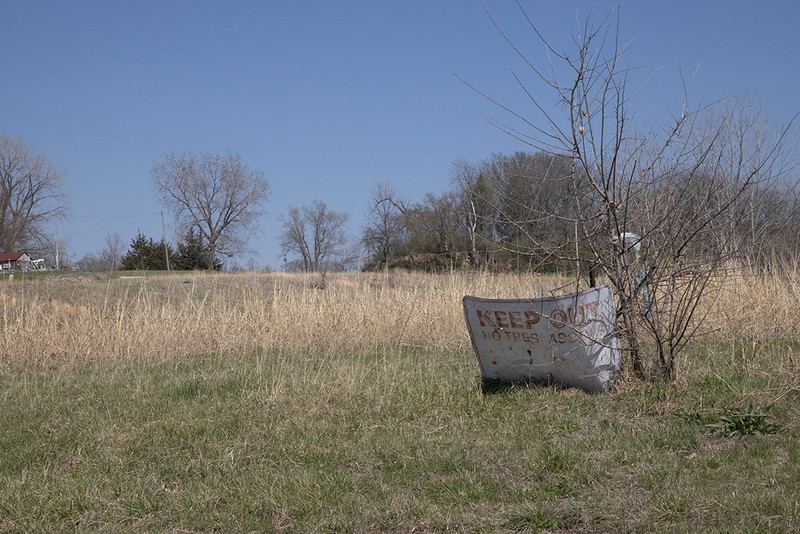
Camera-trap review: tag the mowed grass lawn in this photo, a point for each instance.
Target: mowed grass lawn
(397, 440)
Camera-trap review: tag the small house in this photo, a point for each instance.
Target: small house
(15, 261)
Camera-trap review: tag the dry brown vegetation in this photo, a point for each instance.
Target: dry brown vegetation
(63, 320)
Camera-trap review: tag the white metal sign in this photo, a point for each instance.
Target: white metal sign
(570, 340)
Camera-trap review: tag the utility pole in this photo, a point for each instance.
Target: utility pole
(164, 239)
(56, 245)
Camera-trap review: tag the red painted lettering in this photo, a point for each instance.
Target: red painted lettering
(485, 318)
(558, 318)
(557, 338)
(577, 316)
(592, 307)
(531, 318)
(516, 319)
(500, 319)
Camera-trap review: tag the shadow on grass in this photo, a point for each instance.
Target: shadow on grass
(496, 386)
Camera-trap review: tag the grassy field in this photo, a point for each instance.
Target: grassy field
(274, 403)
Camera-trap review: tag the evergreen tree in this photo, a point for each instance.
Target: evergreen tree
(144, 254)
(193, 254)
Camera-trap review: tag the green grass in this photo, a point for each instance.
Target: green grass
(396, 441)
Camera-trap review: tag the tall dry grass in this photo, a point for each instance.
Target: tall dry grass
(63, 320)
(754, 305)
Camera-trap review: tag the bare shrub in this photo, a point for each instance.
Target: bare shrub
(657, 211)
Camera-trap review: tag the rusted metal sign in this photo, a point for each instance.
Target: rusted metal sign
(570, 340)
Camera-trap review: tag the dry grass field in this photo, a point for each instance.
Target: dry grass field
(74, 319)
(287, 403)
(62, 320)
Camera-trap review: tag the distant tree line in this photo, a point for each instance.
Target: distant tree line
(541, 210)
(503, 213)
(520, 212)
(507, 212)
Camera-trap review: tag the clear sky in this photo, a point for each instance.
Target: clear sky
(330, 98)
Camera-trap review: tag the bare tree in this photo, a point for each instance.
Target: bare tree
(476, 203)
(654, 212)
(434, 228)
(218, 195)
(293, 239)
(318, 235)
(386, 224)
(30, 194)
(108, 259)
(89, 263)
(749, 228)
(113, 249)
(524, 204)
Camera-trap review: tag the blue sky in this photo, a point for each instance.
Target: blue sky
(330, 98)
